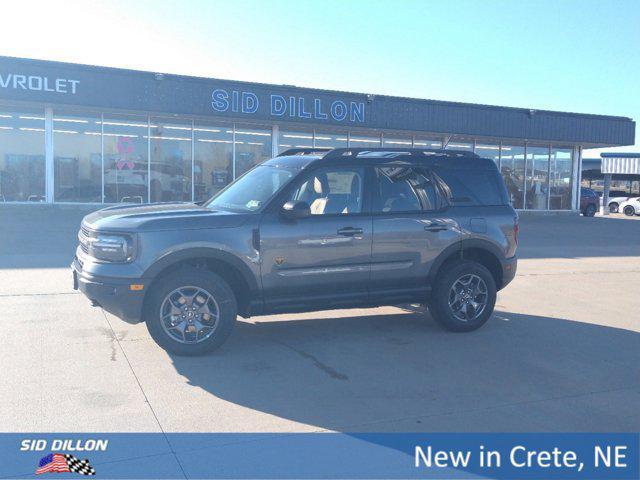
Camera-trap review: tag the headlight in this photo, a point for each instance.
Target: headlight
(108, 247)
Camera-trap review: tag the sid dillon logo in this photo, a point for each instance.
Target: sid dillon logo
(62, 463)
(57, 462)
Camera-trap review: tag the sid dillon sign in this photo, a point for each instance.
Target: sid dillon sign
(306, 107)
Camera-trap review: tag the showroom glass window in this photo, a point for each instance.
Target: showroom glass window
(512, 169)
(213, 152)
(537, 177)
(77, 161)
(364, 141)
(492, 152)
(126, 159)
(289, 139)
(560, 181)
(22, 167)
(253, 146)
(421, 142)
(333, 139)
(170, 160)
(397, 141)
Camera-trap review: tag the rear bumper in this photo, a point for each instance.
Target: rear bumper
(509, 267)
(112, 294)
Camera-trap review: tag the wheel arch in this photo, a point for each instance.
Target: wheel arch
(478, 250)
(238, 275)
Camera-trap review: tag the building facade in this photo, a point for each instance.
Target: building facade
(82, 134)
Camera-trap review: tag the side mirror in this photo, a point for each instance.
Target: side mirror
(296, 210)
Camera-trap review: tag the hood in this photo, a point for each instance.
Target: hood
(161, 216)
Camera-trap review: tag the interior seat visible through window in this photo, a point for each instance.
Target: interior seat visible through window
(330, 192)
(404, 189)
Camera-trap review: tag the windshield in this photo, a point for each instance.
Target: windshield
(251, 191)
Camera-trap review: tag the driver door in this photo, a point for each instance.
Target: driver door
(324, 259)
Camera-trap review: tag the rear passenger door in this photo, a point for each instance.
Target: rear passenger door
(410, 229)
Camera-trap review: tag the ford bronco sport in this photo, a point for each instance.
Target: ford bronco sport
(312, 229)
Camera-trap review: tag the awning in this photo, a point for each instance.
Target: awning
(622, 164)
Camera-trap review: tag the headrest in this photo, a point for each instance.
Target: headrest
(355, 185)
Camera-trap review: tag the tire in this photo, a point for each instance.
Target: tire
(614, 207)
(590, 211)
(181, 332)
(629, 211)
(439, 304)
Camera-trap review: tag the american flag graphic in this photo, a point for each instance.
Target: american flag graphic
(60, 463)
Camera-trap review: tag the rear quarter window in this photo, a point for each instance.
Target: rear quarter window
(473, 187)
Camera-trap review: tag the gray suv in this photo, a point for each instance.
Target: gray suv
(312, 229)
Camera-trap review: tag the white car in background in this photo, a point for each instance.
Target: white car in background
(616, 197)
(630, 207)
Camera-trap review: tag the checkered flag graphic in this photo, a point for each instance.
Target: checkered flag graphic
(79, 466)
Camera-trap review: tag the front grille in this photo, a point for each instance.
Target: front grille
(86, 232)
(83, 236)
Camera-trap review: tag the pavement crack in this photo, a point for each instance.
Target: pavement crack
(144, 394)
(332, 372)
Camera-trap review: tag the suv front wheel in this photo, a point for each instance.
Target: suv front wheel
(191, 312)
(463, 296)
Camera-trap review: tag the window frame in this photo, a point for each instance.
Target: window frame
(441, 199)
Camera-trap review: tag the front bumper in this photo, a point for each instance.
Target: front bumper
(112, 294)
(509, 267)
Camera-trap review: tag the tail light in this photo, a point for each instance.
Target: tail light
(516, 229)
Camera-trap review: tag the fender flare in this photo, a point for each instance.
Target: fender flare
(202, 252)
(458, 249)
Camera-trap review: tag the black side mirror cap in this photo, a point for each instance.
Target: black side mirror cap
(296, 210)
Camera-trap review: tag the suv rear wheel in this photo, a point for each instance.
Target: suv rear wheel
(613, 207)
(463, 296)
(191, 312)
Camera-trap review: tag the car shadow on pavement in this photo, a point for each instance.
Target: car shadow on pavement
(403, 373)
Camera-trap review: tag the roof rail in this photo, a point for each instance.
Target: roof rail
(411, 152)
(305, 151)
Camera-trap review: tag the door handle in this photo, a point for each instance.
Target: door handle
(435, 227)
(350, 231)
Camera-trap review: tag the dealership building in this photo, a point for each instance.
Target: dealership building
(84, 134)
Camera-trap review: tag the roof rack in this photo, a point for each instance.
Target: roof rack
(333, 153)
(305, 151)
(393, 152)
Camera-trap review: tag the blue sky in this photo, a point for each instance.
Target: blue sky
(571, 55)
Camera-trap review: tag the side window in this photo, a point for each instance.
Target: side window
(404, 189)
(472, 187)
(331, 191)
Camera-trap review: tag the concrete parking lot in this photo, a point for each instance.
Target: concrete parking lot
(562, 352)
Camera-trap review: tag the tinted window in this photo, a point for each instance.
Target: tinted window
(404, 189)
(331, 191)
(472, 187)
